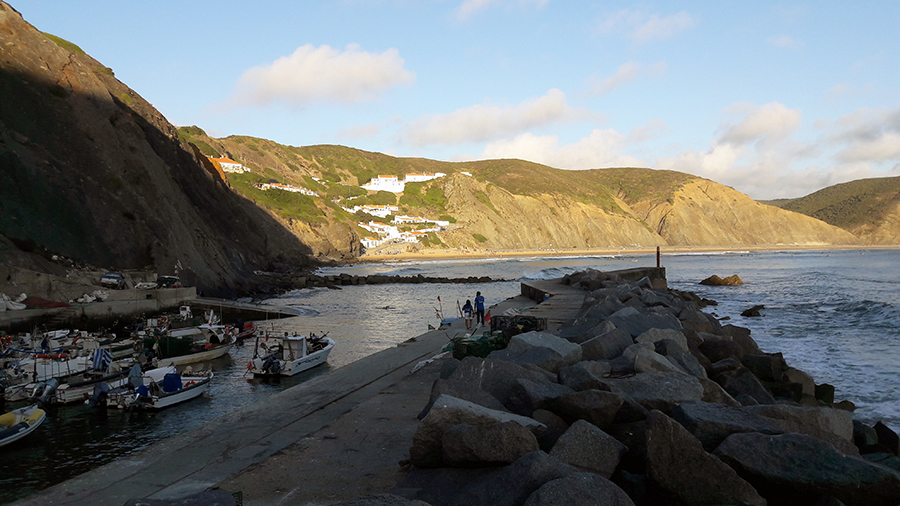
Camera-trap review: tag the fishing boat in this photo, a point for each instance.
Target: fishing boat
(187, 345)
(159, 388)
(18, 423)
(289, 354)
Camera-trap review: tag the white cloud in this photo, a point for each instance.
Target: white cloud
(313, 74)
(642, 27)
(766, 124)
(599, 149)
(785, 42)
(648, 130)
(485, 122)
(626, 73)
(868, 135)
(470, 7)
(359, 131)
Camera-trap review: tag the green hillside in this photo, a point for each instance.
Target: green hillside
(853, 205)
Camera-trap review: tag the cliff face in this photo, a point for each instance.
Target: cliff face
(90, 170)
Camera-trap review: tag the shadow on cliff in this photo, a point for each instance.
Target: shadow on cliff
(101, 177)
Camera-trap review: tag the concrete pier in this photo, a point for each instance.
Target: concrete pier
(356, 421)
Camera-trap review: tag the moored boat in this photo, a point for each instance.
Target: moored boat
(159, 388)
(18, 423)
(289, 354)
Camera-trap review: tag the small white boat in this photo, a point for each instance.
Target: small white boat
(18, 423)
(289, 355)
(203, 342)
(159, 388)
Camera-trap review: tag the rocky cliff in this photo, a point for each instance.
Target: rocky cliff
(91, 171)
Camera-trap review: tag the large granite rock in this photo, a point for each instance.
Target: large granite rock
(461, 390)
(833, 426)
(556, 427)
(503, 443)
(766, 366)
(588, 448)
(447, 412)
(677, 462)
(581, 377)
(595, 406)
(887, 438)
(526, 396)
(741, 382)
(542, 349)
(606, 346)
(712, 423)
(656, 335)
(495, 377)
(796, 469)
(649, 361)
(636, 323)
(659, 390)
(579, 488)
(741, 336)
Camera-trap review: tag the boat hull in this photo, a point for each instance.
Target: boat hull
(293, 367)
(202, 356)
(18, 423)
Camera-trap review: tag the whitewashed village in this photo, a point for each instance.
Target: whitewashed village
(382, 233)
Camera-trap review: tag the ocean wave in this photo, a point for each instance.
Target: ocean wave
(551, 273)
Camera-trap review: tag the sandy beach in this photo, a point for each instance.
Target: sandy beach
(455, 254)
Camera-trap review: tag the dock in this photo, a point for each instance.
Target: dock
(357, 420)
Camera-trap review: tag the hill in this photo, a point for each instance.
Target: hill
(868, 208)
(513, 204)
(89, 170)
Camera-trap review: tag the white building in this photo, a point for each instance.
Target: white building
(370, 242)
(287, 188)
(422, 177)
(384, 183)
(374, 210)
(229, 165)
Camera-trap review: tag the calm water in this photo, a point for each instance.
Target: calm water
(833, 314)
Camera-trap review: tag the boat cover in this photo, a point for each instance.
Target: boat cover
(171, 382)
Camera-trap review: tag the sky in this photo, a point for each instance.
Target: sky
(776, 100)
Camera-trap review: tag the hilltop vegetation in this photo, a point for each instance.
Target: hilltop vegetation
(867, 207)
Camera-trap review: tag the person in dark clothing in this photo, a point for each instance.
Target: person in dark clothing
(479, 308)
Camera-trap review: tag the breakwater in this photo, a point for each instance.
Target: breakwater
(345, 279)
(642, 398)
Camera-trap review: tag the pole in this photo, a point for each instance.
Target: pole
(657, 258)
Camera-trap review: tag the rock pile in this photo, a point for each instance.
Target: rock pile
(307, 280)
(642, 399)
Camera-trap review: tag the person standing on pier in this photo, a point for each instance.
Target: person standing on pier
(479, 308)
(467, 314)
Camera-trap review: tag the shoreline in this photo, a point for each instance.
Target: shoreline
(439, 254)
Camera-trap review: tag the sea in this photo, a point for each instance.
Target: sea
(832, 313)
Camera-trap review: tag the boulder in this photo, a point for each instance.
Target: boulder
(689, 363)
(832, 425)
(715, 280)
(461, 390)
(753, 312)
(766, 366)
(381, 500)
(636, 323)
(741, 336)
(742, 382)
(526, 396)
(606, 346)
(677, 462)
(713, 392)
(659, 390)
(796, 468)
(825, 393)
(447, 412)
(543, 349)
(725, 365)
(720, 349)
(556, 427)
(595, 406)
(588, 448)
(579, 488)
(712, 423)
(495, 377)
(887, 438)
(656, 335)
(502, 443)
(579, 377)
(648, 361)
(863, 435)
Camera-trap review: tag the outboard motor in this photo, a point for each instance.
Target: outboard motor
(49, 389)
(98, 396)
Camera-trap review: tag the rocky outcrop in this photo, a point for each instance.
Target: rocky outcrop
(91, 171)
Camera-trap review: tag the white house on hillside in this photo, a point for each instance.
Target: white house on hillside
(385, 183)
(229, 165)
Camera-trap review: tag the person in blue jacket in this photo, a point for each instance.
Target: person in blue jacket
(479, 309)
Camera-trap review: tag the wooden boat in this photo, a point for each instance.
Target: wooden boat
(289, 355)
(18, 423)
(159, 388)
(190, 345)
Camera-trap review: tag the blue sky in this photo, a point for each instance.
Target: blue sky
(773, 99)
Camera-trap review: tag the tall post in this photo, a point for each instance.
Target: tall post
(657, 257)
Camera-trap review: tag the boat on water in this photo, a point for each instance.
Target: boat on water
(289, 354)
(159, 388)
(175, 345)
(18, 423)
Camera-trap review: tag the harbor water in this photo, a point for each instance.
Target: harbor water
(831, 313)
